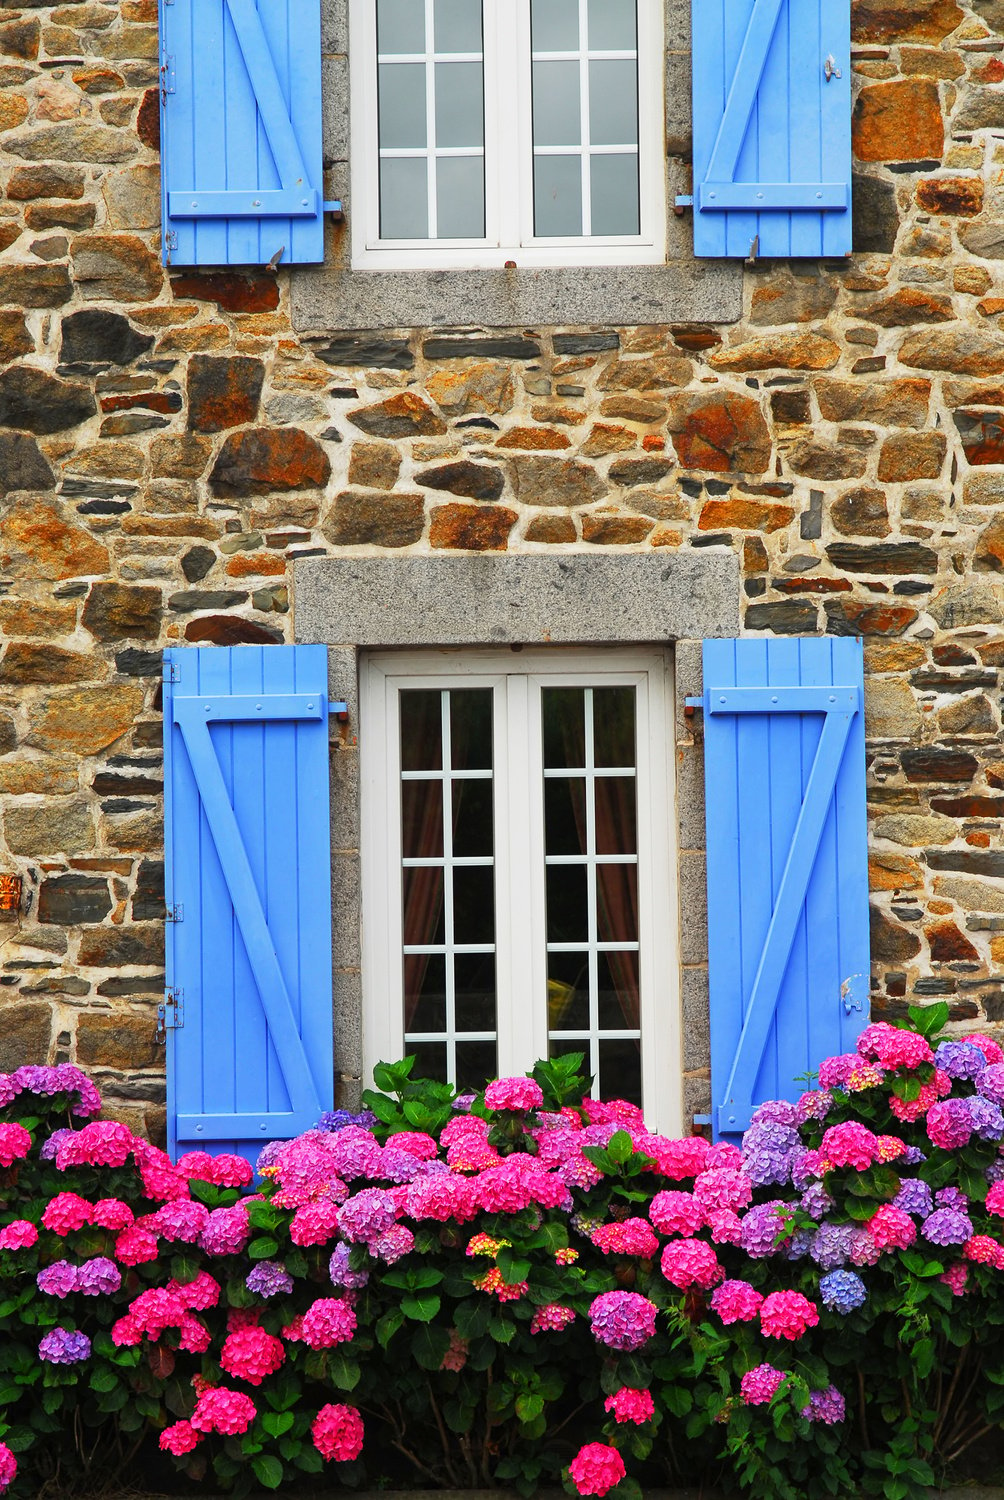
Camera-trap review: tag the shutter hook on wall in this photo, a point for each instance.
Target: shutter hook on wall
(830, 68)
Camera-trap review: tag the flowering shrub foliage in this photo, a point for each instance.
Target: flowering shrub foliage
(516, 1287)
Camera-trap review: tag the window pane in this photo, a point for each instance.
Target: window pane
(613, 25)
(430, 1059)
(421, 730)
(404, 199)
(613, 726)
(567, 912)
(476, 1065)
(460, 197)
(617, 903)
(471, 729)
(460, 104)
(614, 187)
(402, 105)
(555, 25)
(620, 1071)
(613, 103)
(473, 833)
(421, 819)
(401, 25)
(567, 991)
(557, 195)
(556, 114)
(474, 905)
(474, 991)
(617, 991)
(423, 907)
(458, 25)
(616, 820)
(563, 711)
(424, 992)
(565, 815)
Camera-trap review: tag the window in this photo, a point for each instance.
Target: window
(516, 865)
(490, 131)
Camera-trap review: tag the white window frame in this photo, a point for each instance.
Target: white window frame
(508, 172)
(521, 966)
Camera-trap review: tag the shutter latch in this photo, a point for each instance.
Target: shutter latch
(167, 75)
(170, 1015)
(830, 68)
(852, 1001)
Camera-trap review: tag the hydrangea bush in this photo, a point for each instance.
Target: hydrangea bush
(515, 1288)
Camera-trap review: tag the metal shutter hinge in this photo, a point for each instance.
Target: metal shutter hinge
(167, 75)
(175, 913)
(169, 669)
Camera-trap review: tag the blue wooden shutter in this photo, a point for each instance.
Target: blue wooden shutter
(248, 1003)
(241, 131)
(787, 864)
(772, 127)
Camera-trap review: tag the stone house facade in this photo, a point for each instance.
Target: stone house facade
(178, 449)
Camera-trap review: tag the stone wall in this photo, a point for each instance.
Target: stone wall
(169, 446)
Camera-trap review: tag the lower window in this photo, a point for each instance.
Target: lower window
(518, 890)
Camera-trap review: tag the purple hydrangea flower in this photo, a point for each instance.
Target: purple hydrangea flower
(622, 1320)
(769, 1151)
(960, 1060)
(987, 1118)
(813, 1105)
(762, 1226)
(337, 1119)
(990, 1083)
(462, 1103)
(59, 1279)
(825, 1406)
(399, 1166)
(913, 1156)
(63, 1078)
(951, 1197)
(269, 1279)
(774, 1112)
(804, 1168)
(267, 1155)
(51, 1146)
(831, 1245)
(340, 1271)
(995, 1171)
(99, 1277)
(914, 1197)
(398, 1241)
(62, 1346)
(816, 1200)
(947, 1226)
(842, 1291)
(799, 1244)
(367, 1215)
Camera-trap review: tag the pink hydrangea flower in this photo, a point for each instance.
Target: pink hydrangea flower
(157, 1309)
(8, 1467)
(628, 1237)
(991, 1050)
(864, 1075)
(723, 1188)
(850, 1145)
(455, 1357)
(984, 1250)
(328, 1321)
(949, 1124)
(622, 1320)
(736, 1301)
(892, 1047)
(314, 1224)
(251, 1354)
(892, 1228)
(677, 1160)
(787, 1315)
(397, 1241)
(629, 1405)
(181, 1221)
(179, 1439)
(690, 1263)
(890, 1148)
(136, 1246)
(471, 1153)
(417, 1143)
(835, 1071)
(127, 1332)
(193, 1335)
(66, 1212)
(725, 1227)
(15, 1143)
(910, 1110)
(995, 1199)
(760, 1385)
(161, 1179)
(956, 1277)
(551, 1318)
(337, 1431)
(514, 1093)
(227, 1412)
(676, 1213)
(111, 1213)
(18, 1235)
(200, 1293)
(103, 1143)
(596, 1468)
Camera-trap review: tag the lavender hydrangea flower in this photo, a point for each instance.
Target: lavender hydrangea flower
(951, 1197)
(799, 1244)
(813, 1105)
(774, 1112)
(842, 1291)
(912, 1157)
(947, 1226)
(99, 1277)
(337, 1119)
(960, 1060)
(462, 1103)
(831, 1245)
(990, 1083)
(399, 1166)
(987, 1118)
(269, 1279)
(63, 1346)
(995, 1171)
(52, 1145)
(825, 1406)
(59, 1279)
(914, 1197)
(340, 1271)
(762, 1226)
(816, 1200)
(367, 1215)
(769, 1151)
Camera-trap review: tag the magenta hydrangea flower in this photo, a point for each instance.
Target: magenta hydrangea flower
(551, 1318)
(58, 1279)
(15, 1143)
(892, 1047)
(338, 1433)
(181, 1221)
(787, 1315)
(622, 1320)
(251, 1354)
(596, 1468)
(892, 1228)
(66, 1212)
(103, 1143)
(20, 1234)
(850, 1145)
(8, 1468)
(949, 1123)
(760, 1385)
(723, 1187)
(64, 1346)
(690, 1263)
(676, 1213)
(328, 1321)
(98, 1277)
(179, 1439)
(627, 1237)
(514, 1093)
(628, 1405)
(736, 1301)
(220, 1410)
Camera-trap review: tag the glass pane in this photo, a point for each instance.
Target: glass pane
(460, 104)
(421, 819)
(567, 991)
(613, 25)
(565, 815)
(620, 1071)
(555, 25)
(474, 905)
(473, 832)
(430, 1059)
(460, 198)
(613, 726)
(614, 189)
(556, 117)
(474, 991)
(613, 103)
(424, 992)
(477, 1064)
(557, 196)
(401, 25)
(564, 723)
(402, 105)
(471, 729)
(421, 730)
(404, 199)
(616, 820)
(617, 991)
(423, 907)
(567, 919)
(458, 25)
(617, 903)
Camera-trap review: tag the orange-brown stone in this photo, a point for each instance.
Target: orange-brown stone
(783, 351)
(472, 528)
(261, 460)
(228, 289)
(951, 195)
(721, 431)
(903, 20)
(37, 543)
(745, 514)
(255, 565)
(614, 531)
(911, 455)
(553, 529)
(907, 306)
(898, 121)
(949, 945)
(533, 438)
(402, 416)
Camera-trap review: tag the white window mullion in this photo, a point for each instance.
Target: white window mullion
(587, 196)
(448, 933)
(430, 116)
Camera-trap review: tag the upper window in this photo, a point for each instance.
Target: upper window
(528, 131)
